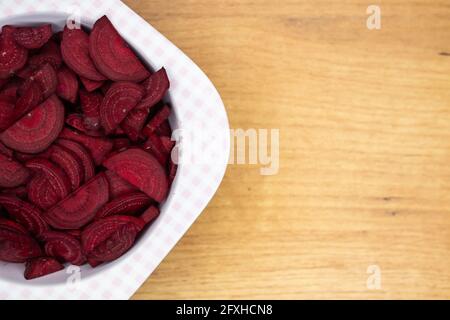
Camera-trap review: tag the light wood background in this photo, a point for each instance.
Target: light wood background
(365, 149)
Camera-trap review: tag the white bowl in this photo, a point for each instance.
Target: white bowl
(199, 112)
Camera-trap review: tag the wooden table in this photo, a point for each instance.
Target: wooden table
(364, 119)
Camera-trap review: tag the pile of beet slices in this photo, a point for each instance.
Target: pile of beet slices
(85, 146)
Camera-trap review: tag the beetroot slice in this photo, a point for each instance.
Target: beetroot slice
(36, 131)
(150, 214)
(19, 192)
(6, 115)
(24, 213)
(70, 163)
(156, 87)
(12, 226)
(125, 205)
(49, 53)
(41, 193)
(134, 123)
(4, 150)
(80, 207)
(17, 247)
(33, 37)
(63, 246)
(83, 155)
(75, 52)
(141, 170)
(68, 85)
(119, 144)
(91, 85)
(112, 56)
(77, 121)
(31, 96)
(118, 186)
(90, 104)
(172, 171)
(9, 92)
(57, 178)
(99, 231)
(74, 233)
(156, 148)
(167, 143)
(47, 78)
(156, 121)
(12, 173)
(120, 99)
(40, 267)
(99, 148)
(12, 56)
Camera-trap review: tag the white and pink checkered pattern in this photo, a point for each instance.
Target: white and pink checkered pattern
(198, 109)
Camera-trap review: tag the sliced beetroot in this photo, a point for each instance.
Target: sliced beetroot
(112, 56)
(24, 213)
(17, 247)
(119, 144)
(134, 123)
(67, 88)
(161, 116)
(78, 121)
(120, 99)
(141, 170)
(118, 186)
(19, 192)
(93, 263)
(83, 154)
(70, 163)
(154, 146)
(25, 72)
(90, 104)
(80, 207)
(13, 57)
(99, 148)
(41, 193)
(25, 157)
(36, 131)
(57, 178)
(100, 231)
(6, 115)
(172, 171)
(156, 87)
(91, 85)
(75, 52)
(12, 226)
(129, 204)
(74, 233)
(47, 78)
(63, 246)
(167, 143)
(50, 53)
(12, 173)
(40, 267)
(30, 97)
(33, 37)
(3, 82)
(4, 150)
(150, 214)
(9, 92)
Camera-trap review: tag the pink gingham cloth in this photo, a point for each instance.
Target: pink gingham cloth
(199, 111)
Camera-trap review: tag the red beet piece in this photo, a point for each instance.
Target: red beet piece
(47, 78)
(120, 99)
(156, 121)
(77, 121)
(33, 37)
(36, 131)
(6, 115)
(57, 178)
(156, 148)
(83, 154)
(25, 72)
(12, 56)
(67, 88)
(112, 56)
(41, 193)
(63, 246)
(150, 214)
(80, 207)
(141, 170)
(50, 53)
(19, 192)
(91, 85)
(100, 231)
(75, 52)
(3, 82)
(99, 148)
(119, 144)
(70, 163)
(24, 213)
(128, 204)
(4, 150)
(90, 104)
(134, 123)
(12, 173)
(94, 263)
(74, 233)
(41, 267)
(156, 87)
(118, 186)
(167, 143)
(17, 247)
(172, 171)
(9, 91)
(12, 226)
(30, 97)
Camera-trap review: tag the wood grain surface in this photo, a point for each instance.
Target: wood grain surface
(364, 119)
